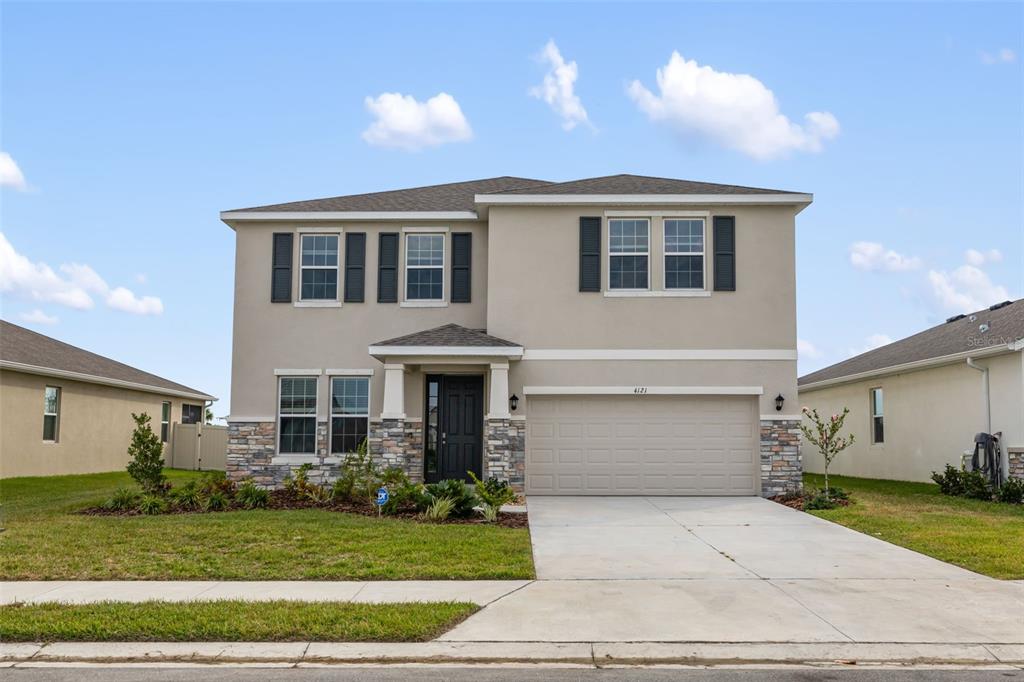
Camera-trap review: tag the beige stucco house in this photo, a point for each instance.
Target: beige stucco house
(916, 404)
(64, 410)
(614, 335)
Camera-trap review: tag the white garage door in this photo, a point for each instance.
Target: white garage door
(642, 445)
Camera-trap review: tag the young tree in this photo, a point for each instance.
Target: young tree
(147, 457)
(824, 435)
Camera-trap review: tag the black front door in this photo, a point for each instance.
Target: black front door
(461, 420)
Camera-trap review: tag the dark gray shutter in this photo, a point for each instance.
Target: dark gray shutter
(590, 254)
(462, 256)
(725, 253)
(281, 269)
(355, 266)
(387, 268)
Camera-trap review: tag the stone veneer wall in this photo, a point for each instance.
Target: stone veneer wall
(1016, 467)
(505, 451)
(398, 443)
(781, 466)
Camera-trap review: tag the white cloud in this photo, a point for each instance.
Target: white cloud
(872, 342)
(10, 174)
(979, 258)
(37, 316)
(965, 289)
(1002, 56)
(404, 123)
(735, 110)
(74, 287)
(558, 88)
(874, 256)
(807, 350)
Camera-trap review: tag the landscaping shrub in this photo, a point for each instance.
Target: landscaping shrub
(492, 494)
(147, 457)
(299, 487)
(818, 498)
(123, 499)
(439, 510)
(962, 483)
(251, 496)
(463, 499)
(359, 477)
(217, 481)
(152, 504)
(187, 496)
(1012, 491)
(216, 501)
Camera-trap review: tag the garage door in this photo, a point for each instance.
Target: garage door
(642, 445)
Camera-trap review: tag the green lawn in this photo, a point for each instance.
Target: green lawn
(229, 621)
(985, 537)
(45, 540)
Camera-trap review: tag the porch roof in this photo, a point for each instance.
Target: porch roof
(448, 339)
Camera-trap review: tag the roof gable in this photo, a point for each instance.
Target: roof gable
(449, 335)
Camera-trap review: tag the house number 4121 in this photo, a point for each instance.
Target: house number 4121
(640, 390)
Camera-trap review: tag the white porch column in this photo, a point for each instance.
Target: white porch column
(394, 392)
(499, 392)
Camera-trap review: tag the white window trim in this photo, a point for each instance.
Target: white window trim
(646, 254)
(702, 290)
(872, 416)
(356, 374)
(659, 214)
(55, 415)
(657, 293)
(316, 410)
(335, 302)
(426, 229)
(349, 372)
(424, 302)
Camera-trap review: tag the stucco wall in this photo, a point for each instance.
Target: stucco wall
(95, 425)
(931, 417)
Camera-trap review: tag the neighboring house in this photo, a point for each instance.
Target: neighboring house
(916, 404)
(614, 335)
(64, 410)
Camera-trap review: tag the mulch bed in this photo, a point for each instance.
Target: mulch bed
(281, 500)
(797, 500)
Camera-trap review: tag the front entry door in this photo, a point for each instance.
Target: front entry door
(462, 420)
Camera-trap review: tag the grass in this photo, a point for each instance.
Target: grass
(985, 537)
(229, 621)
(45, 540)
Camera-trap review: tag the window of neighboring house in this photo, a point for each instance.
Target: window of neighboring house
(319, 267)
(350, 413)
(191, 414)
(628, 253)
(51, 413)
(684, 254)
(424, 267)
(165, 422)
(877, 417)
(297, 416)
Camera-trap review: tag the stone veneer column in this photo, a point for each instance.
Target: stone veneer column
(1016, 463)
(781, 465)
(397, 443)
(505, 451)
(251, 446)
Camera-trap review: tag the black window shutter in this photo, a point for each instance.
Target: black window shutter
(281, 269)
(355, 266)
(387, 268)
(725, 253)
(590, 254)
(462, 256)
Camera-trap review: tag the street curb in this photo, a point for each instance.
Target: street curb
(575, 654)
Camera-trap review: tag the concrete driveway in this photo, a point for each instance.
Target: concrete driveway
(736, 569)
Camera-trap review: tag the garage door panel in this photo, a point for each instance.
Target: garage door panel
(642, 445)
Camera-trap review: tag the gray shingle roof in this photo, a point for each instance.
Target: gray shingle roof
(448, 335)
(454, 196)
(27, 347)
(639, 184)
(1006, 325)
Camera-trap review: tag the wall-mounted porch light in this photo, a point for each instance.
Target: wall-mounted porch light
(778, 402)
(513, 402)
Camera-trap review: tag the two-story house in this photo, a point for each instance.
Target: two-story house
(619, 335)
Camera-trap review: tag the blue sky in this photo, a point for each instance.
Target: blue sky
(130, 126)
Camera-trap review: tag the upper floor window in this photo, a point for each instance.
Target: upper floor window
(319, 267)
(350, 413)
(877, 417)
(684, 253)
(165, 422)
(628, 253)
(424, 267)
(297, 415)
(51, 413)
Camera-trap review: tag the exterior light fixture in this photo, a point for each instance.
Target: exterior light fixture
(513, 402)
(778, 402)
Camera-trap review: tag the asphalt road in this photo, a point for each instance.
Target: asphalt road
(485, 674)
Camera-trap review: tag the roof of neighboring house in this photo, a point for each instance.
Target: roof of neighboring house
(453, 196)
(449, 335)
(25, 350)
(959, 335)
(639, 184)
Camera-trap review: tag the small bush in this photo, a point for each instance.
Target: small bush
(439, 510)
(359, 477)
(187, 496)
(1012, 491)
(217, 481)
(492, 494)
(147, 457)
(462, 497)
(251, 496)
(152, 505)
(123, 499)
(216, 501)
(962, 483)
(817, 499)
(299, 487)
